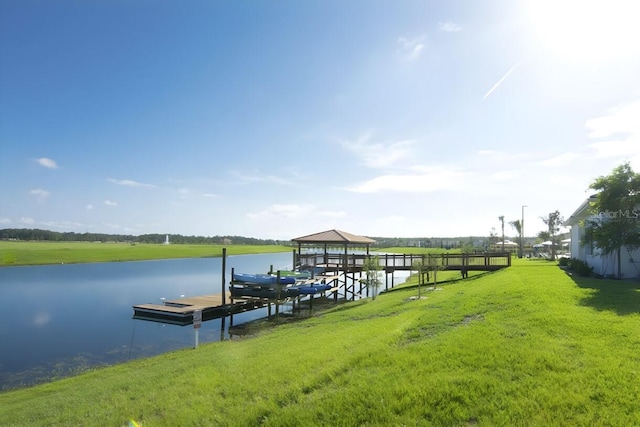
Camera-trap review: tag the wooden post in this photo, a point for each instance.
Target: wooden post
(279, 289)
(224, 280)
(386, 271)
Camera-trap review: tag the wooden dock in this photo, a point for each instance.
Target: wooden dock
(180, 311)
(342, 271)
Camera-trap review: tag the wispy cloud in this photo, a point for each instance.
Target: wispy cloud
(4, 220)
(110, 203)
(449, 27)
(618, 132)
(422, 181)
(89, 207)
(259, 177)
(282, 211)
(27, 220)
(499, 82)
(503, 175)
(47, 163)
(130, 183)
(621, 120)
(559, 160)
(379, 154)
(411, 48)
(293, 216)
(40, 193)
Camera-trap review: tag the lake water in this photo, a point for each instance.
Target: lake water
(59, 319)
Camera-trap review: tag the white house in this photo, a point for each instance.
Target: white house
(605, 265)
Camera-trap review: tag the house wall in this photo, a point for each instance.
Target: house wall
(604, 265)
(576, 248)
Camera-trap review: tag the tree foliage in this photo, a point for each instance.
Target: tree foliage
(615, 212)
(371, 268)
(554, 222)
(517, 226)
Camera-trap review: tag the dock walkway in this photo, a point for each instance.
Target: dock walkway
(340, 271)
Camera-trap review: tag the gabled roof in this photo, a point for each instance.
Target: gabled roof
(334, 236)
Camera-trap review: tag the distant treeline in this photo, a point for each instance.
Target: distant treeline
(381, 242)
(55, 236)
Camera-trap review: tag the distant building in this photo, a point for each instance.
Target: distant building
(166, 239)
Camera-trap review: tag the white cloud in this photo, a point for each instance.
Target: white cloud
(89, 207)
(621, 120)
(40, 193)
(259, 177)
(110, 203)
(379, 155)
(449, 27)
(210, 195)
(559, 160)
(282, 211)
(5, 220)
(27, 220)
(428, 180)
(332, 214)
(623, 148)
(47, 163)
(130, 183)
(411, 48)
(618, 132)
(66, 225)
(503, 175)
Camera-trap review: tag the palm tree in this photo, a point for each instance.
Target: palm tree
(517, 225)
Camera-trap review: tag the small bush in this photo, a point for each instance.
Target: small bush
(581, 268)
(563, 262)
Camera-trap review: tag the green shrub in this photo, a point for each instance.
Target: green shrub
(581, 268)
(563, 262)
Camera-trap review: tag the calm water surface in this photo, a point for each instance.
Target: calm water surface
(56, 320)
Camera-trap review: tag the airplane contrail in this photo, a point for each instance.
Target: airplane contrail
(499, 82)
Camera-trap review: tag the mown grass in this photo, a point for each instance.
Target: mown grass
(40, 253)
(524, 346)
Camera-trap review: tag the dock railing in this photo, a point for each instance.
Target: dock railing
(391, 262)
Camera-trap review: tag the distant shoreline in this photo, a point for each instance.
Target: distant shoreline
(20, 253)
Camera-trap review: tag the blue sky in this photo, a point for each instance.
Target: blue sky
(284, 118)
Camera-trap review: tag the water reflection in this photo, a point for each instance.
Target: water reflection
(56, 320)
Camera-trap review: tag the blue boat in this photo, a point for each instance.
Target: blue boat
(239, 291)
(314, 288)
(262, 279)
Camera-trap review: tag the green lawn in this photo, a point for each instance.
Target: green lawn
(529, 346)
(36, 253)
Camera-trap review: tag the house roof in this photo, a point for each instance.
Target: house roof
(581, 212)
(334, 236)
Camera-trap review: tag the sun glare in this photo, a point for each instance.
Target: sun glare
(586, 30)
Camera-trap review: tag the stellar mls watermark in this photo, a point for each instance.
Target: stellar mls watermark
(619, 214)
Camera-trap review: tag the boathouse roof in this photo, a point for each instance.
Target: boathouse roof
(334, 236)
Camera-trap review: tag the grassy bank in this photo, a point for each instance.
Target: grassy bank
(40, 253)
(529, 345)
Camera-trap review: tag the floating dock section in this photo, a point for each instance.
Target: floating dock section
(180, 311)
